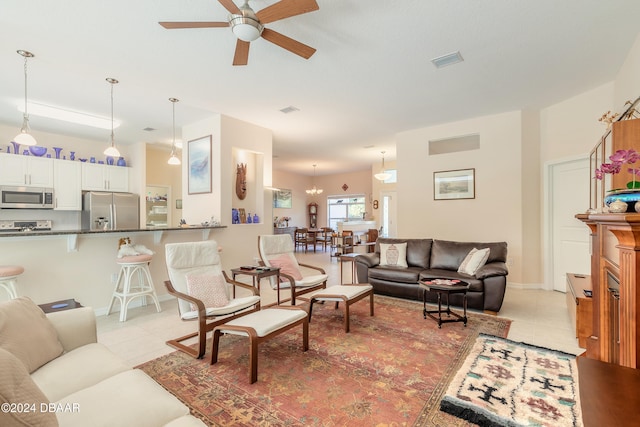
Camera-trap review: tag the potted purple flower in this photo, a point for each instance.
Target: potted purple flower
(631, 194)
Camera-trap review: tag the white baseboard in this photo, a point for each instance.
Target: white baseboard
(514, 285)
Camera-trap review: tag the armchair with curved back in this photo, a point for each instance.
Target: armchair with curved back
(198, 258)
(278, 251)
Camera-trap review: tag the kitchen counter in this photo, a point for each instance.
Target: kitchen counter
(72, 235)
(132, 230)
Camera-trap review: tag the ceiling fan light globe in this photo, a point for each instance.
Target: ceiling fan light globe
(245, 28)
(24, 138)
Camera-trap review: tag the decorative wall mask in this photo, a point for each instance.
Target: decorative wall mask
(241, 181)
(345, 187)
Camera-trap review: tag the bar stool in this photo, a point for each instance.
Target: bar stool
(9, 277)
(127, 289)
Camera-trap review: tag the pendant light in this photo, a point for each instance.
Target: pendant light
(24, 137)
(174, 160)
(382, 175)
(313, 191)
(112, 150)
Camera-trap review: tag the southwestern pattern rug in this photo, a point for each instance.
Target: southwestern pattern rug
(507, 383)
(390, 370)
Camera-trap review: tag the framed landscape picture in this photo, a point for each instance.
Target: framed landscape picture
(282, 199)
(454, 184)
(199, 158)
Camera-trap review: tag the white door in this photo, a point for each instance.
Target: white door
(388, 215)
(568, 195)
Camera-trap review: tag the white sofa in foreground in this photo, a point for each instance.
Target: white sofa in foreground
(54, 372)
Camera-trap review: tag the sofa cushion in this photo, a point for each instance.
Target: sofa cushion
(475, 259)
(17, 387)
(77, 369)
(396, 274)
(393, 254)
(475, 285)
(418, 250)
(449, 255)
(130, 398)
(210, 288)
(26, 332)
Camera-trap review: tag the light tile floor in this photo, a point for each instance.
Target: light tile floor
(539, 318)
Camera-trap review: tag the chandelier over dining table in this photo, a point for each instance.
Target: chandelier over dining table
(314, 190)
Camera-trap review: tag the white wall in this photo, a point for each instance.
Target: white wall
(627, 84)
(496, 212)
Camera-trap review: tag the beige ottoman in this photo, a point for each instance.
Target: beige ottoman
(260, 326)
(344, 293)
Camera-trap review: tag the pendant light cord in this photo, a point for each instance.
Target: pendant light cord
(112, 138)
(26, 114)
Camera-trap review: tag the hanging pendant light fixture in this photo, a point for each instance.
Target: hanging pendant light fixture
(314, 190)
(24, 137)
(174, 160)
(112, 150)
(383, 175)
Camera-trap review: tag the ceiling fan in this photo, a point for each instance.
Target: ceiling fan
(248, 25)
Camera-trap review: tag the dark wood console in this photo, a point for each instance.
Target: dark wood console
(580, 306)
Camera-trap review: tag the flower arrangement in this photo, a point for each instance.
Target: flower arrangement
(618, 160)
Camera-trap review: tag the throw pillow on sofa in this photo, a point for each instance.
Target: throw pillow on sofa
(475, 259)
(210, 288)
(393, 254)
(17, 387)
(26, 332)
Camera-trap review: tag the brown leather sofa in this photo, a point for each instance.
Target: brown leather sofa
(431, 259)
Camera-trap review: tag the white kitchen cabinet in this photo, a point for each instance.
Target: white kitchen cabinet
(97, 177)
(16, 169)
(66, 184)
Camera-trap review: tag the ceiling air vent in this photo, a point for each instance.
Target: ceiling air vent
(448, 59)
(289, 109)
(149, 129)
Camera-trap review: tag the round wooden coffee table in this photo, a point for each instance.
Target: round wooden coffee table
(444, 287)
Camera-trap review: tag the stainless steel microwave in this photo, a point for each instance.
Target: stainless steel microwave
(26, 197)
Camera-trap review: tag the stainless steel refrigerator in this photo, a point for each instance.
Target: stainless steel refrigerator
(110, 211)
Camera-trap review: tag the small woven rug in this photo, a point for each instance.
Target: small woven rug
(507, 383)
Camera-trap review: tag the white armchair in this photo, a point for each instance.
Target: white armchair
(278, 251)
(197, 259)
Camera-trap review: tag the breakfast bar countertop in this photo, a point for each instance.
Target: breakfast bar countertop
(79, 232)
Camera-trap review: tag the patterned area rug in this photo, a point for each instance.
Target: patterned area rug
(507, 383)
(390, 370)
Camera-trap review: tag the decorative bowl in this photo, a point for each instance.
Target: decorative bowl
(38, 151)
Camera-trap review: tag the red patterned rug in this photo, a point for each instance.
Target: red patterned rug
(390, 370)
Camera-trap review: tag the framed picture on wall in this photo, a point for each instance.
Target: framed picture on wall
(454, 184)
(199, 172)
(282, 199)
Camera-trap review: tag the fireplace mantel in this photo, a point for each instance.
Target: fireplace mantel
(615, 257)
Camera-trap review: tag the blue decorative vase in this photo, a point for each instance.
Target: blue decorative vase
(121, 162)
(249, 219)
(73, 155)
(57, 150)
(110, 160)
(630, 197)
(16, 147)
(256, 220)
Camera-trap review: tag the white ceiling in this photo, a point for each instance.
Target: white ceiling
(370, 78)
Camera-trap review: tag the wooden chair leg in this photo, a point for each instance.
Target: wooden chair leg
(346, 316)
(371, 304)
(214, 348)
(305, 334)
(253, 359)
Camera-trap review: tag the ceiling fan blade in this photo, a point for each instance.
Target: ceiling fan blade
(288, 43)
(176, 25)
(230, 6)
(285, 9)
(241, 56)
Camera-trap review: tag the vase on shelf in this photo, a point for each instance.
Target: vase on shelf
(121, 162)
(73, 155)
(628, 197)
(16, 147)
(110, 160)
(57, 150)
(256, 219)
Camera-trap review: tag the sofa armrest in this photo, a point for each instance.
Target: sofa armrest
(370, 260)
(492, 269)
(75, 327)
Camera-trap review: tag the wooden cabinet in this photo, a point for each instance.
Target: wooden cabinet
(625, 135)
(97, 177)
(313, 215)
(580, 307)
(66, 185)
(26, 170)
